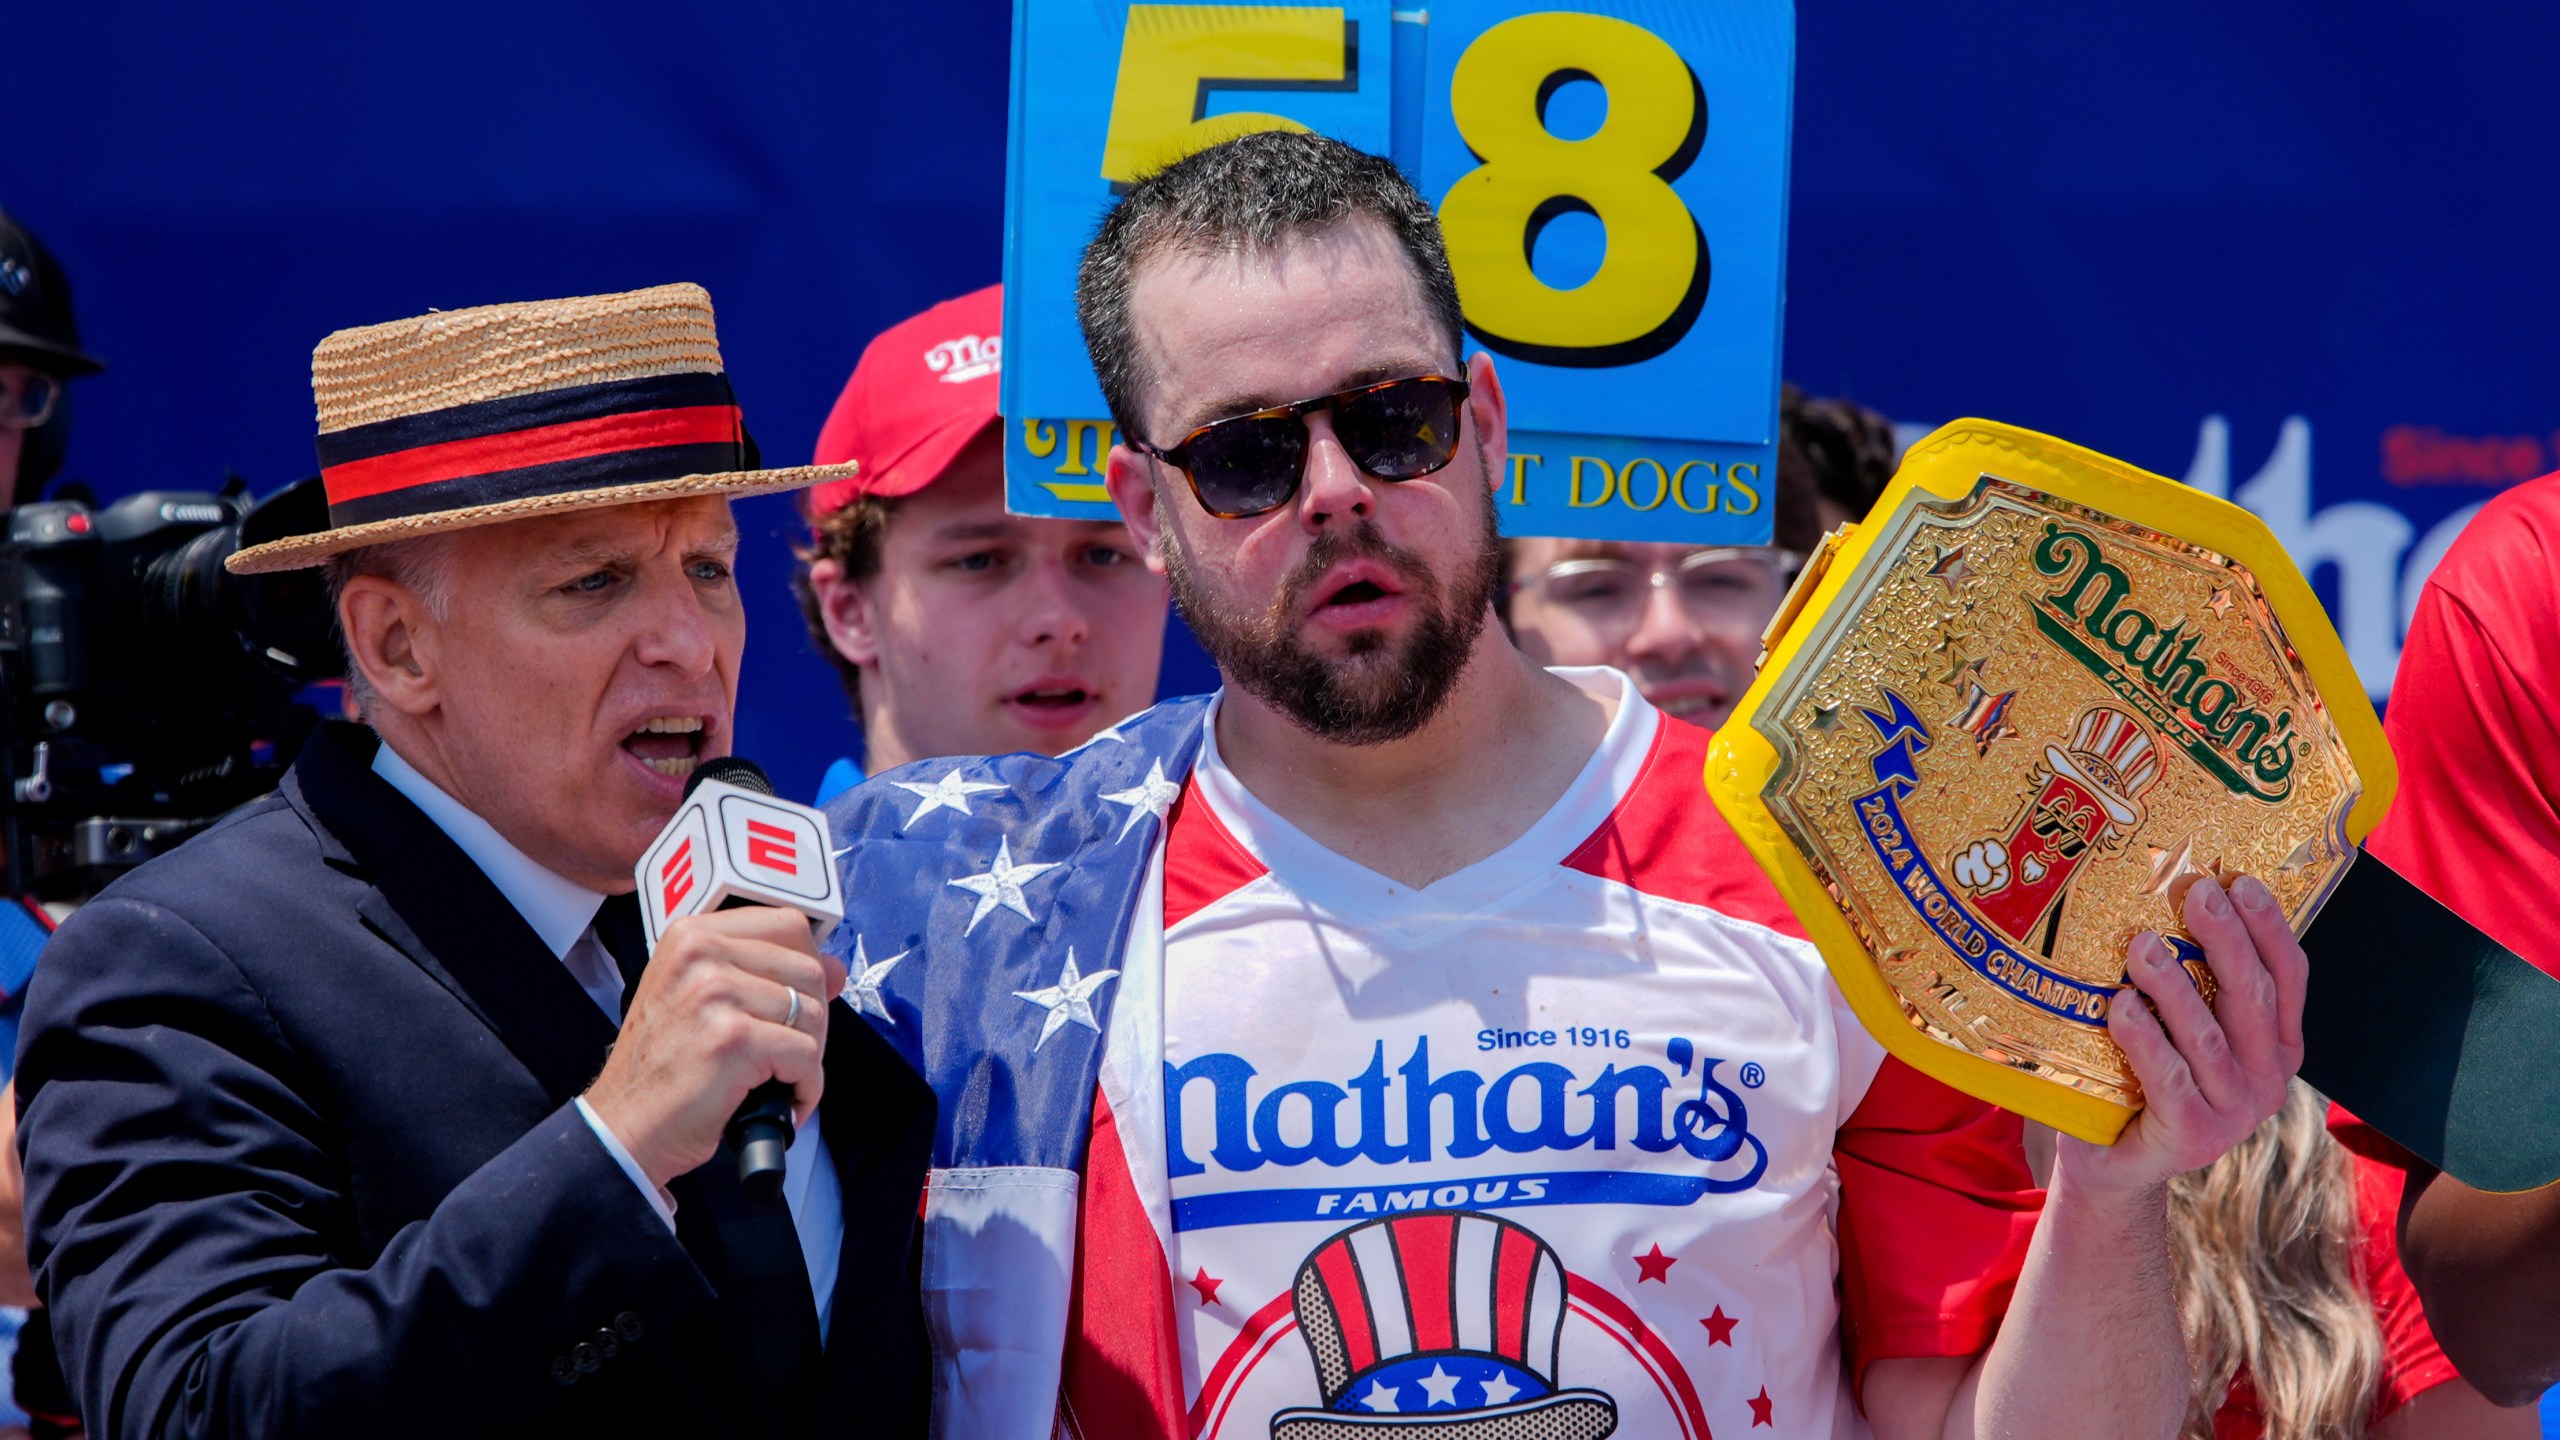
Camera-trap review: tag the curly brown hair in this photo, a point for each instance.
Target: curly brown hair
(850, 536)
(1849, 448)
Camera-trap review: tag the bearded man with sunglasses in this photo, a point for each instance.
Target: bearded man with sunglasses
(1397, 1041)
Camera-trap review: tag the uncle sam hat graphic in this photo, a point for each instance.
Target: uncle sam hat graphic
(1441, 1324)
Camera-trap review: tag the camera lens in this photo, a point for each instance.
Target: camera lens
(183, 594)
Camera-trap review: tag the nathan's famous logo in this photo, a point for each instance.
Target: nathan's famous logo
(2090, 800)
(1440, 1326)
(1410, 1116)
(2156, 670)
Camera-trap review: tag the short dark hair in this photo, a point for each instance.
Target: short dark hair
(1247, 195)
(850, 536)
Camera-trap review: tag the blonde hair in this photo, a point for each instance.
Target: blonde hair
(2264, 1245)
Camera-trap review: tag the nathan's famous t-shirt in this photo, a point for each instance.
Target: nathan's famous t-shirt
(1555, 1146)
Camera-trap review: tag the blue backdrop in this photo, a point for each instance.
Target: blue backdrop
(2296, 251)
(2299, 252)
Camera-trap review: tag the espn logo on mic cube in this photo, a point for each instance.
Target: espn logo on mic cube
(728, 844)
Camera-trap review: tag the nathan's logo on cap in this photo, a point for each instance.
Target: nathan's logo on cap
(971, 357)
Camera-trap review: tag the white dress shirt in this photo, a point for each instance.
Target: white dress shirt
(563, 913)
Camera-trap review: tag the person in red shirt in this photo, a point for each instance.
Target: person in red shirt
(2477, 826)
(2301, 1318)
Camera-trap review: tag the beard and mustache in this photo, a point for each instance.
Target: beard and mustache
(1375, 691)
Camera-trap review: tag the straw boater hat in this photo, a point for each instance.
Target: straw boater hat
(473, 417)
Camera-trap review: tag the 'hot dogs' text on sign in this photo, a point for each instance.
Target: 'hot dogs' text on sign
(1611, 177)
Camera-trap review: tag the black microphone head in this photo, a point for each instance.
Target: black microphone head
(730, 770)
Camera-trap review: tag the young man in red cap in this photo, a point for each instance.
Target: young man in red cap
(956, 628)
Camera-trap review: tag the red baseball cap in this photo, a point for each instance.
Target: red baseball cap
(921, 392)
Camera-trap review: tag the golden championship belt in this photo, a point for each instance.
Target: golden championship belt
(2002, 725)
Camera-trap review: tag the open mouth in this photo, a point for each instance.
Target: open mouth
(1363, 590)
(1066, 697)
(668, 744)
(1054, 704)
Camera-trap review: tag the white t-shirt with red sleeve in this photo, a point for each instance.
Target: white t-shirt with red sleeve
(1579, 1140)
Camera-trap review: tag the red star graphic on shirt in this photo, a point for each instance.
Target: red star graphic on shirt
(1206, 1284)
(1720, 1327)
(1760, 1410)
(1655, 1266)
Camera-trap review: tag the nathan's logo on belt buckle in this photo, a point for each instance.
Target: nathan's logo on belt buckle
(2008, 721)
(2156, 668)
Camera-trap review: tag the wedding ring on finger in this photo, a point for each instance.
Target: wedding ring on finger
(792, 1019)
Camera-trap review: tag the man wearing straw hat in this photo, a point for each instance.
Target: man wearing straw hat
(360, 1112)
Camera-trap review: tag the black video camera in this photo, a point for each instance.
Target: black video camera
(144, 689)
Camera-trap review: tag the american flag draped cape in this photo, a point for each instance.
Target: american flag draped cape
(1004, 929)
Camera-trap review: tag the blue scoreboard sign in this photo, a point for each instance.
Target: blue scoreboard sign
(1611, 176)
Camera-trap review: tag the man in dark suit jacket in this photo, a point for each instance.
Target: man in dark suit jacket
(328, 1128)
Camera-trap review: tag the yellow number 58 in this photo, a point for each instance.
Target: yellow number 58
(1653, 274)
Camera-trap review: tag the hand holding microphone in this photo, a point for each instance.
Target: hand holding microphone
(727, 1031)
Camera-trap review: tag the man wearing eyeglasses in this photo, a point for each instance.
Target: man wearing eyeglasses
(1684, 621)
(1397, 1041)
(39, 352)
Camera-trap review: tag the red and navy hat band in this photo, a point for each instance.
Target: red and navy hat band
(585, 437)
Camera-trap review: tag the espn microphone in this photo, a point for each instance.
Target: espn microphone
(733, 843)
